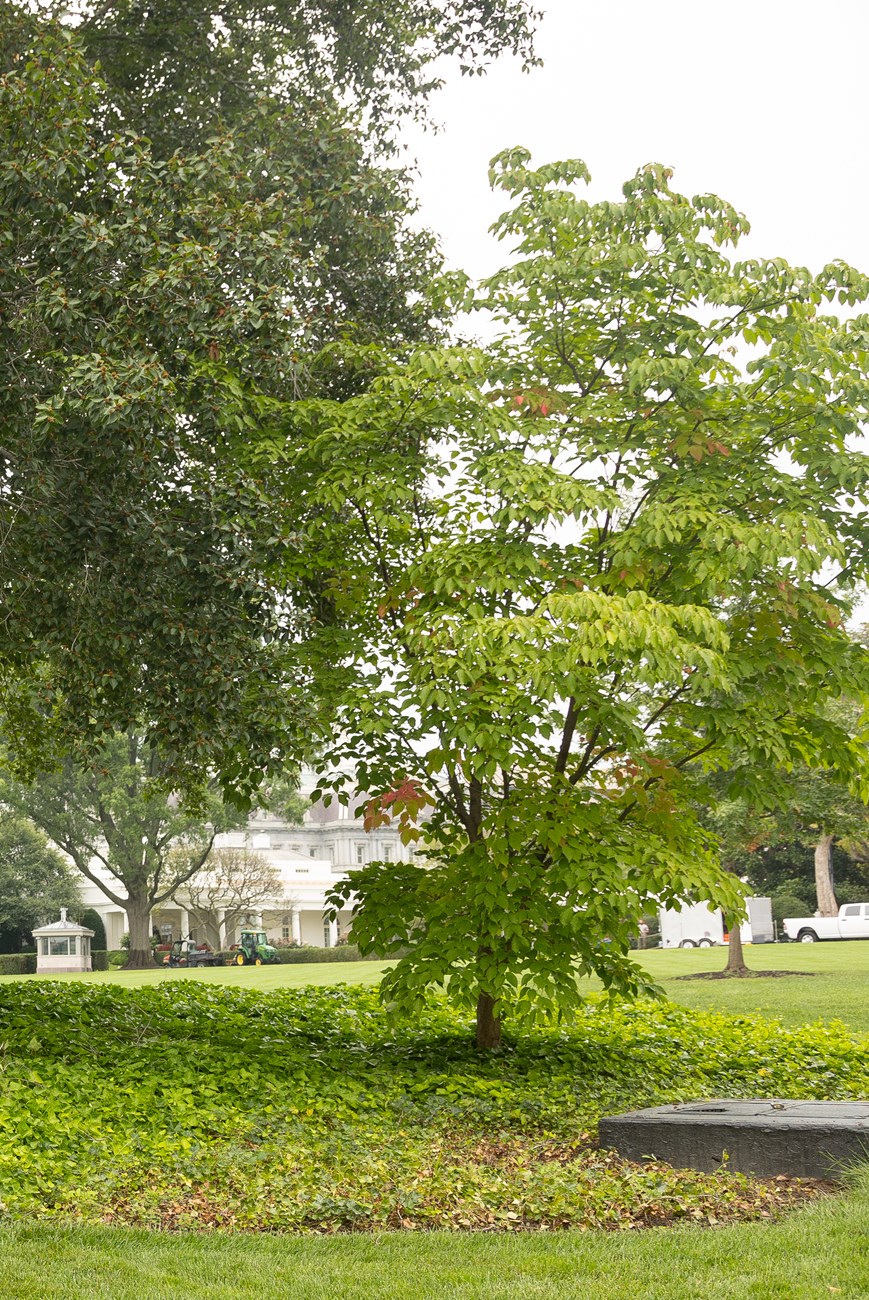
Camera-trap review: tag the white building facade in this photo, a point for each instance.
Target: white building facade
(309, 860)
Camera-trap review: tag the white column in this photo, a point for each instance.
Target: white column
(185, 923)
(333, 934)
(296, 923)
(221, 929)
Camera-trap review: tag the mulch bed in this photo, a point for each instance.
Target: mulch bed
(746, 975)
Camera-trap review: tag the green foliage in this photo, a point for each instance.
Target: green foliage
(281, 797)
(192, 288)
(202, 1106)
(18, 963)
(178, 71)
(343, 952)
(595, 579)
(116, 813)
(305, 955)
(94, 922)
(784, 905)
(35, 881)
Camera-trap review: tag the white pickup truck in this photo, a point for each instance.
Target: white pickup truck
(851, 923)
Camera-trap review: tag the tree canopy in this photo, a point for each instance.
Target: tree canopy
(623, 562)
(180, 69)
(123, 833)
(35, 881)
(155, 303)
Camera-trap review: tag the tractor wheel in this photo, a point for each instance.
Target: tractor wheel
(239, 961)
(258, 961)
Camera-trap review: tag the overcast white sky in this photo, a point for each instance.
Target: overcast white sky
(764, 103)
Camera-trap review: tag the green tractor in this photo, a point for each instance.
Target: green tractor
(254, 949)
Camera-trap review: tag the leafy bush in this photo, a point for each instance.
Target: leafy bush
(94, 922)
(851, 893)
(17, 963)
(293, 956)
(343, 952)
(801, 887)
(99, 960)
(202, 1105)
(787, 905)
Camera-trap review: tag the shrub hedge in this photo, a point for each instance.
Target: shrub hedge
(94, 921)
(787, 905)
(292, 956)
(24, 963)
(18, 963)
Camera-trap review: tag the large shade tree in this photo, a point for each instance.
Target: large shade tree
(183, 230)
(623, 563)
(179, 69)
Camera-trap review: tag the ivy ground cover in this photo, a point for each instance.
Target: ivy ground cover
(190, 1105)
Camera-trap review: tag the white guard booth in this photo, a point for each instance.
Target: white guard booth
(62, 946)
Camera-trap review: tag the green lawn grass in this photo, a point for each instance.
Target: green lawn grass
(836, 987)
(290, 976)
(814, 1254)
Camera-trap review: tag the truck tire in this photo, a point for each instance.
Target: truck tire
(705, 943)
(687, 943)
(807, 936)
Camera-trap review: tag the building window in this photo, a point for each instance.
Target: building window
(327, 935)
(312, 853)
(387, 853)
(285, 933)
(360, 853)
(59, 947)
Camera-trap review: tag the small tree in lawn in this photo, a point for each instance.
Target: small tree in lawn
(622, 562)
(234, 882)
(121, 830)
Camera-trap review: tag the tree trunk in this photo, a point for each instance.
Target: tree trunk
(827, 905)
(139, 920)
(488, 1024)
(735, 958)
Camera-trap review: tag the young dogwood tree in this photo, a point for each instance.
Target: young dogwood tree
(622, 562)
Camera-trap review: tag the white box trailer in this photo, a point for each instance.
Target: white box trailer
(697, 925)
